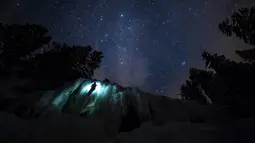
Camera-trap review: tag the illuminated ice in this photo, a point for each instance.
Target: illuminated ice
(101, 89)
(76, 100)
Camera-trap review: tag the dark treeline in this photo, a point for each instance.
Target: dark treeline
(28, 52)
(227, 83)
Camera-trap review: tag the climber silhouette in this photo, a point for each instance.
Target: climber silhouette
(93, 87)
(87, 100)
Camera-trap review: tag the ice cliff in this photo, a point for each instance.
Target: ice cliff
(109, 113)
(108, 100)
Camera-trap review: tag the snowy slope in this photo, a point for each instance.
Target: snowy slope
(66, 129)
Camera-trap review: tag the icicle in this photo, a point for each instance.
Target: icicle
(207, 98)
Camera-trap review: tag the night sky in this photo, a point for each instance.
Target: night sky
(149, 44)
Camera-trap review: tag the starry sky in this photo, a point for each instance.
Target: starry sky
(149, 44)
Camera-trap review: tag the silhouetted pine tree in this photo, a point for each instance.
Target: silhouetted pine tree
(247, 55)
(191, 91)
(66, 63)
(232, 82)
(27, 51)
(18, 41)
(242, 75)
(242, 25)
(203, 77)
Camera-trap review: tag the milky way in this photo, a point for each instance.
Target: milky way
(149, 44)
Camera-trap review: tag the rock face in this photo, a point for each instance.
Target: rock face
(108, 112)
(111, 100)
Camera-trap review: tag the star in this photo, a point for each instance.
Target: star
(183, 63)
(137, 37)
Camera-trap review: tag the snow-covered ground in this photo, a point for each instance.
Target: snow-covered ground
(67, 129)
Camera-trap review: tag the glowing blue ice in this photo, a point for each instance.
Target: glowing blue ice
(104, 93)
(101, 89)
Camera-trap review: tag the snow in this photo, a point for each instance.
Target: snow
(174, 132)
(57, 129)
(66, 129)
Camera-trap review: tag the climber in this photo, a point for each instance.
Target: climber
(93, 87)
